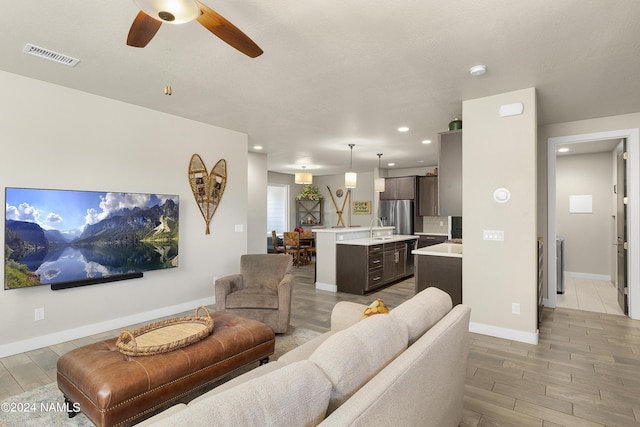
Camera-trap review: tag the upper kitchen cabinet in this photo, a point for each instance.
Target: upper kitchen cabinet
(450, 173)
(399, 188)
(428, 196)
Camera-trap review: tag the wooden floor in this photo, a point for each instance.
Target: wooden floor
(584, 372)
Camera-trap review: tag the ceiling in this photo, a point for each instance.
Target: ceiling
(336, 73)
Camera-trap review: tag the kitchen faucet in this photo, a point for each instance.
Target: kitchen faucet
(371, 225)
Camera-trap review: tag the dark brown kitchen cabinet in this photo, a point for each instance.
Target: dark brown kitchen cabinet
(428, 196)
(425, 240)
(399, 188)
(442, 272)
(394, 261)
(361, 269)
(450, 173)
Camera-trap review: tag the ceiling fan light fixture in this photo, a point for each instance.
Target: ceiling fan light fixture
(170, 11)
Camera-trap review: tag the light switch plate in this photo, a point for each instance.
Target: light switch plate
(239, 228)
(495, 235)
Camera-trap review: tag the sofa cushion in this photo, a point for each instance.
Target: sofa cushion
(296, 394)
(304, 350)
(351, 357)
(423, 311)
(376, 307)
(253, 297)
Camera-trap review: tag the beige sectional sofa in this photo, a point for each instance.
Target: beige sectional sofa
(404, 368)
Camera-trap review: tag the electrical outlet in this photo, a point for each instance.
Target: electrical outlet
(515, 308)
(38, 314)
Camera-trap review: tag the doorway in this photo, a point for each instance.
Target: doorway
(632, 173)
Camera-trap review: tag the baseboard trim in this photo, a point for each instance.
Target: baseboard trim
(96, 328)
(509, 334)
(326, 287)
(590, 276)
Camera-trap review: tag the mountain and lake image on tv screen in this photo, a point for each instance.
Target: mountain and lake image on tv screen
(55, 236)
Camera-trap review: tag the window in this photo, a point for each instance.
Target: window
(277, 208)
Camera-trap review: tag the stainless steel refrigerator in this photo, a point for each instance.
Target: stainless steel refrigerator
(400, 214)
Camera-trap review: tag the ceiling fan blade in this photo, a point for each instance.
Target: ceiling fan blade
(227, 32)
(142, 30)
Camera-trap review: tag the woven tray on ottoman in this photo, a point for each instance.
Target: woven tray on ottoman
(113, 388)
(166, 335)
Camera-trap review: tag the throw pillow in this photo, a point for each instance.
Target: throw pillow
(376, 307)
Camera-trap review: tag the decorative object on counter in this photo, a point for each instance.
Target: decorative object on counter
(303, 177)
(309, 192)
(339, 211)
(434, 173)
(362, 208)
(339, 192)
(376, 307)
(207, 188)
(378, 184)
(350, 177)
(455, 124)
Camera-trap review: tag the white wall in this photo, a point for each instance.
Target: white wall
(588, 237)
(257, 202)
(500, 152)
(54, 137)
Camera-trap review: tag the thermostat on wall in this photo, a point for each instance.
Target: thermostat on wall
(501, 195)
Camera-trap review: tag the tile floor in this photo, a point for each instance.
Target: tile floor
(599, 296)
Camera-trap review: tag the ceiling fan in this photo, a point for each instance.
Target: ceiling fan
(154, 12)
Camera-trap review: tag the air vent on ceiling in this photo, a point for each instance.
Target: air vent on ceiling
(50, 55)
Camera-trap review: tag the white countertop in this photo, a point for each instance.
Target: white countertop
(424, 233)
(349, 229)
(442, 249)
(377, 240)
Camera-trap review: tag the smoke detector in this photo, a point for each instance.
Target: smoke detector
(478, 70)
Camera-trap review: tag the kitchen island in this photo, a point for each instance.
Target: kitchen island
(440, 266)
(364, 265)
(326, 250)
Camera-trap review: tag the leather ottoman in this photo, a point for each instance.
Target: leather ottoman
(112, 388)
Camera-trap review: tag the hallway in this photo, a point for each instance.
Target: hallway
(598, 296)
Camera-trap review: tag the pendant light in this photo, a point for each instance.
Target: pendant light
(350, 178)
(378, 184)
(303, 177)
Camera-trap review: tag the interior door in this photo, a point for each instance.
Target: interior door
(621, 229)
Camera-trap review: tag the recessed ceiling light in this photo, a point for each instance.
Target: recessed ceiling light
(257, 147)
(391, 164)
(426, 141)
(403, 129)
(563, 150)
(420, 161)
(478, 70)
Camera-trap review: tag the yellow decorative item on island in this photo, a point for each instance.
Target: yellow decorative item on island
(376, 307)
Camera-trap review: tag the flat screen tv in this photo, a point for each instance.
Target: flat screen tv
(64, 236)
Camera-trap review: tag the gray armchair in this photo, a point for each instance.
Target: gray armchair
(262, 290)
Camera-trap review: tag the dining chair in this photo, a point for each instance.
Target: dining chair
(292, 246)
(307, 242)
(277, 249)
